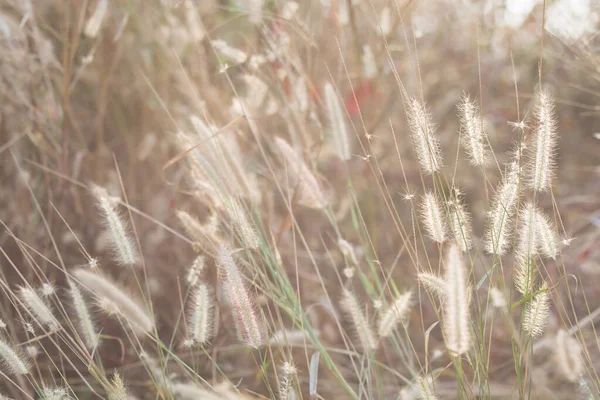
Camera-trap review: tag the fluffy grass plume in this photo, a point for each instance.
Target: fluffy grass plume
(397, 311)
(425, 389)
(472, 133)
(201, 314)
(500, 218)
(535, 316)
(246, 232)
(542, 162)
(195, 270)
(433, 284)
(84, 318)
(308, 192)
(460, 224)
(546, 236)
(426, 143)
(286, 383)
(117, 390)
(123, 245)
(39, 309)
(360, 323)
(524, 273)
(12, 361)
(108, 294)
(433, 218)
(339, 134)
(456, 304)
(248, 323)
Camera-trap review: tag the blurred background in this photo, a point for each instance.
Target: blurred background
(94, 91)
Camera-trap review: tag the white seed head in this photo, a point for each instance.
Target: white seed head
(47, 289)
(195, 270)
(500, 218)
(460, 224)
(542, 161)
(396, 312)
(472, 133)
(535, 316)
(201, 315)
(113, 300)
(308, 192)
(12, 361)
(425, 141)
(117, 390)
(433, 218)
(433, 284)
(39, 309)
(123, 245)
(362, 327)
(456, 304)
(286, 384)
(84, 318)
(248, 324)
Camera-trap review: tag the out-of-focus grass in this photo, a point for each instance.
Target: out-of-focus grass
(105, 109)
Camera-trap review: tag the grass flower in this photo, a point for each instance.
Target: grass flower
(456, 305)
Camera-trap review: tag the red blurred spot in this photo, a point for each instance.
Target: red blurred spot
(364, 93)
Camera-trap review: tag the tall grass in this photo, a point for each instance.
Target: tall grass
(279, 199)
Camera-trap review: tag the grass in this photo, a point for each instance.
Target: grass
(386, 208)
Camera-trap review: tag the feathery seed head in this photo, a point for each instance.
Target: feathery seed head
(365, 334)
(528, 242)
(433, 284)
(201, 314)
(460, 224)
(535, 316)
(547, 239)
(193, 275)
(497, 238)
(308, 192)
(426, 143)
(425, 389)
(47, 289)
(472, 133)
(12, 361)
(115, 301)
(286, 385)
(542, 162)
(55, 394)
(456, 303)
(247, 233)
(123, 245)
(86, 323)
(247, 321)
(433, 218)
(39, 309)
(117, 390)
(396, 312)
(527, 250)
